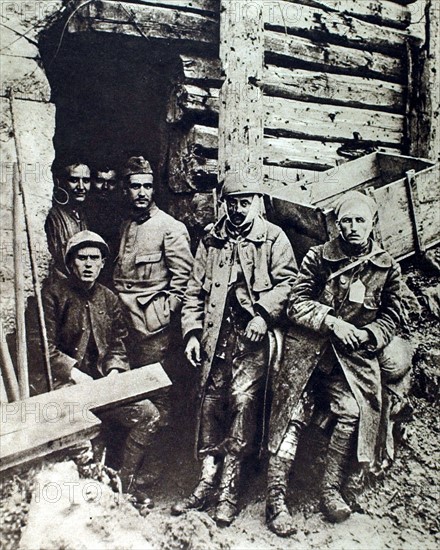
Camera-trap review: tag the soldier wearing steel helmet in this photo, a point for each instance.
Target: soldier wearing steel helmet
(243, 271)
(86, 331)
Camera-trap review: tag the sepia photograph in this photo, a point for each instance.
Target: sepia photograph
(219, 274)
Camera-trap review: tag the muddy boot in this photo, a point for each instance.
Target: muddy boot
(228, 498)
(133, 456)
(333, 505)
(199, 498)
(352, 489)
(278, 517)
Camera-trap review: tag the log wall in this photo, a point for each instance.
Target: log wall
(334, 86)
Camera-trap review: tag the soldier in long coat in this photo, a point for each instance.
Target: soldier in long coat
(243, 271)
(345, 306)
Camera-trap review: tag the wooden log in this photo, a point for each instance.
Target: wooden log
(325, 26)
(382, 12)
(424, 100)
(302, 52)
(201, 70)
(142, 20)
(20, 300)
(211, 6)
(292, 118)
(319, 87)
(240, 156)
(39, 425)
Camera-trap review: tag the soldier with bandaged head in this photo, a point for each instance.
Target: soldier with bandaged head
(237, 293)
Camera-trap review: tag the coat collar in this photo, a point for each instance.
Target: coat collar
(257, 233)
(333, 252)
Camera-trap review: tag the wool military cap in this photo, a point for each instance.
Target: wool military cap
(353, 198)
(137, 165)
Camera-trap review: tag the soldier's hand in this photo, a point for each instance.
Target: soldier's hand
(78, 376)
(348, 334)
(256, 329)
(192, 351)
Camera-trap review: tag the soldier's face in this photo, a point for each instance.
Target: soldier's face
(238, 207)
(356, 223)
(140, 191)
(77, 182)
(105, 184)
(87, 264)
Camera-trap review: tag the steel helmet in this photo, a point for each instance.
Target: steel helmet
(83, 239)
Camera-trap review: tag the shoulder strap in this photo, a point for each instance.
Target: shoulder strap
(353, 264)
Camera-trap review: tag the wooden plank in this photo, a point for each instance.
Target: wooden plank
(148, 21)
(43, 438)
(41, 424)
(326, 26)
(382, 12)
(302, 52)
(320, 86)
(292, 118)
(240, 156)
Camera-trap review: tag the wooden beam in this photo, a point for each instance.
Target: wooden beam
(211, 6)
(332, 26)
(424, 100)
(7, 369)
(51, 421)
(201, 70)
(302, 52)
(336, 89)
(144, 20)
(292, 118)
(240, 158)
(382, 12)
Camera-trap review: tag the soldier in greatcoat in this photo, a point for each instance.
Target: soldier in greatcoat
(345, 306)
(242, 275)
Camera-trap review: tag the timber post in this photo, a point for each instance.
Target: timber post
(241, 109)
(424, 114)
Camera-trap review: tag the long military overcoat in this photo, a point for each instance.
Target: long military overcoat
(313, 297)
(269, 269)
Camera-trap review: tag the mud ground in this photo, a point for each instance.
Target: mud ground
(400, 509)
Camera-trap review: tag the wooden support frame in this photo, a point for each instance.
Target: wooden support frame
(414, 210)
(241, 111)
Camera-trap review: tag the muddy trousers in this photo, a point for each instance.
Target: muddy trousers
(231, 404)
(142, 420)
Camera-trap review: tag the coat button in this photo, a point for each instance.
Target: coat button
(317, 352)
(217, 284)
(128, 285)
(221, 264)
(210, 324)
(212, 305)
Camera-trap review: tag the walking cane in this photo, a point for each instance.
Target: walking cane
(32, 254)
(8, 372)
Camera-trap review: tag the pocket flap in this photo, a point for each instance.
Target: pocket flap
(149, 258)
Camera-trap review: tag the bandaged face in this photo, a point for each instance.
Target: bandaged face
(355, 222)
(242, 208)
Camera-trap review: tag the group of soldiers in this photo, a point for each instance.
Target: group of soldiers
(317, 344)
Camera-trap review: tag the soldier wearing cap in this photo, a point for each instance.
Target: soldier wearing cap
(86, 331)
(150, 276)
(243, 271)
(67, 215)
(345, 306)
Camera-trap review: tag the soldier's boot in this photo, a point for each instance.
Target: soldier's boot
(352, 488)
(132, 459)
(228, 497)
(333, 505)
(278, 517)
(199, 498)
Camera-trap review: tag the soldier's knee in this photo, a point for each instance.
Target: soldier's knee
(396, 359)
(149, 416)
